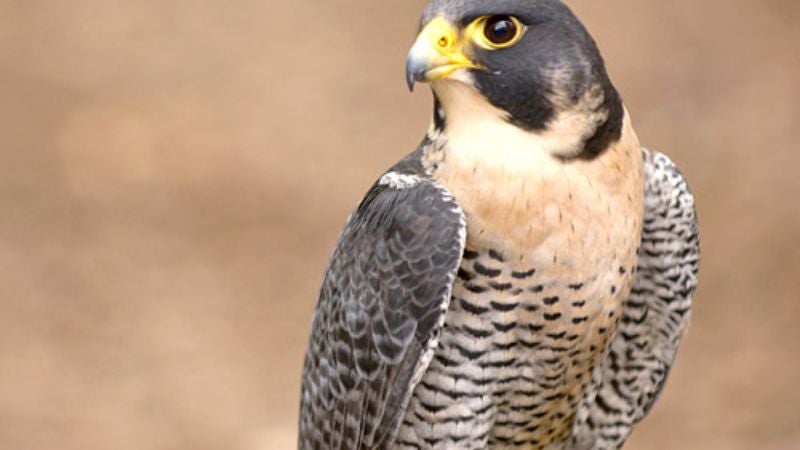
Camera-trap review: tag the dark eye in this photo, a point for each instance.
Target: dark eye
(501, 30)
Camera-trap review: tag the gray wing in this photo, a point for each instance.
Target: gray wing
(379, 314)
(656, 313)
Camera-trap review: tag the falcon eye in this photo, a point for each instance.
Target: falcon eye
(502, 31)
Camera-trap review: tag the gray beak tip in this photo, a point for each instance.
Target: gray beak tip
(415, 71)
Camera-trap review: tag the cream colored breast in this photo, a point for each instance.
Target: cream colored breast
(551, 246)
(522, 200)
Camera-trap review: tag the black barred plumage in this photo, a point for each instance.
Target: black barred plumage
(521, 280)
(655, 316)
(380, 310)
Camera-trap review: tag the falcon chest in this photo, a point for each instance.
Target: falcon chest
(550, 252)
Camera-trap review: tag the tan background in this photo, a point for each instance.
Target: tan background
(173, 176)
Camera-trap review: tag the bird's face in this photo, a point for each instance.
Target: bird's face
(531, 60)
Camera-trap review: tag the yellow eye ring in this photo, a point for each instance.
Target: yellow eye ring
(496, 32)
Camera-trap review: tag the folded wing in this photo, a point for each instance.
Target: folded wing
(379, 313)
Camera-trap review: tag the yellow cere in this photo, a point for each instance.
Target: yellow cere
(444, 48)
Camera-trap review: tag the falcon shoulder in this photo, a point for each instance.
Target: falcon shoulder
(657, 312)
(380, 311)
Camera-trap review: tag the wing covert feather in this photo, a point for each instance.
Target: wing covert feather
(379, 313)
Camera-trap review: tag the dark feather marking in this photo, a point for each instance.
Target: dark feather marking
(386, 283)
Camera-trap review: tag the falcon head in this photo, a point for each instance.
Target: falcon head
(529, 63)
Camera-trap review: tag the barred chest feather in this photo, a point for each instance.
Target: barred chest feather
(551, 250)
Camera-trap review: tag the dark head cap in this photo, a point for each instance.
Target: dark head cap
(551, 67)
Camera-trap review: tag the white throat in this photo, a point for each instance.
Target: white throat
(473, 122)
(517, 192)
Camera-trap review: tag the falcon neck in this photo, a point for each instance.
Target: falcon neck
(581, 127)
(505, 177)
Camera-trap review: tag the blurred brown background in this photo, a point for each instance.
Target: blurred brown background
(174, 174)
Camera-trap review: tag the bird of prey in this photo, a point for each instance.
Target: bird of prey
(523, 279)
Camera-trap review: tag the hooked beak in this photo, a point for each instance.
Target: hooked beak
(436, 54)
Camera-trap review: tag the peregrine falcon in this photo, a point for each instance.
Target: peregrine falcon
(524, 277)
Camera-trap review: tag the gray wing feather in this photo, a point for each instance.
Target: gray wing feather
(656, 313)
(379, 314)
